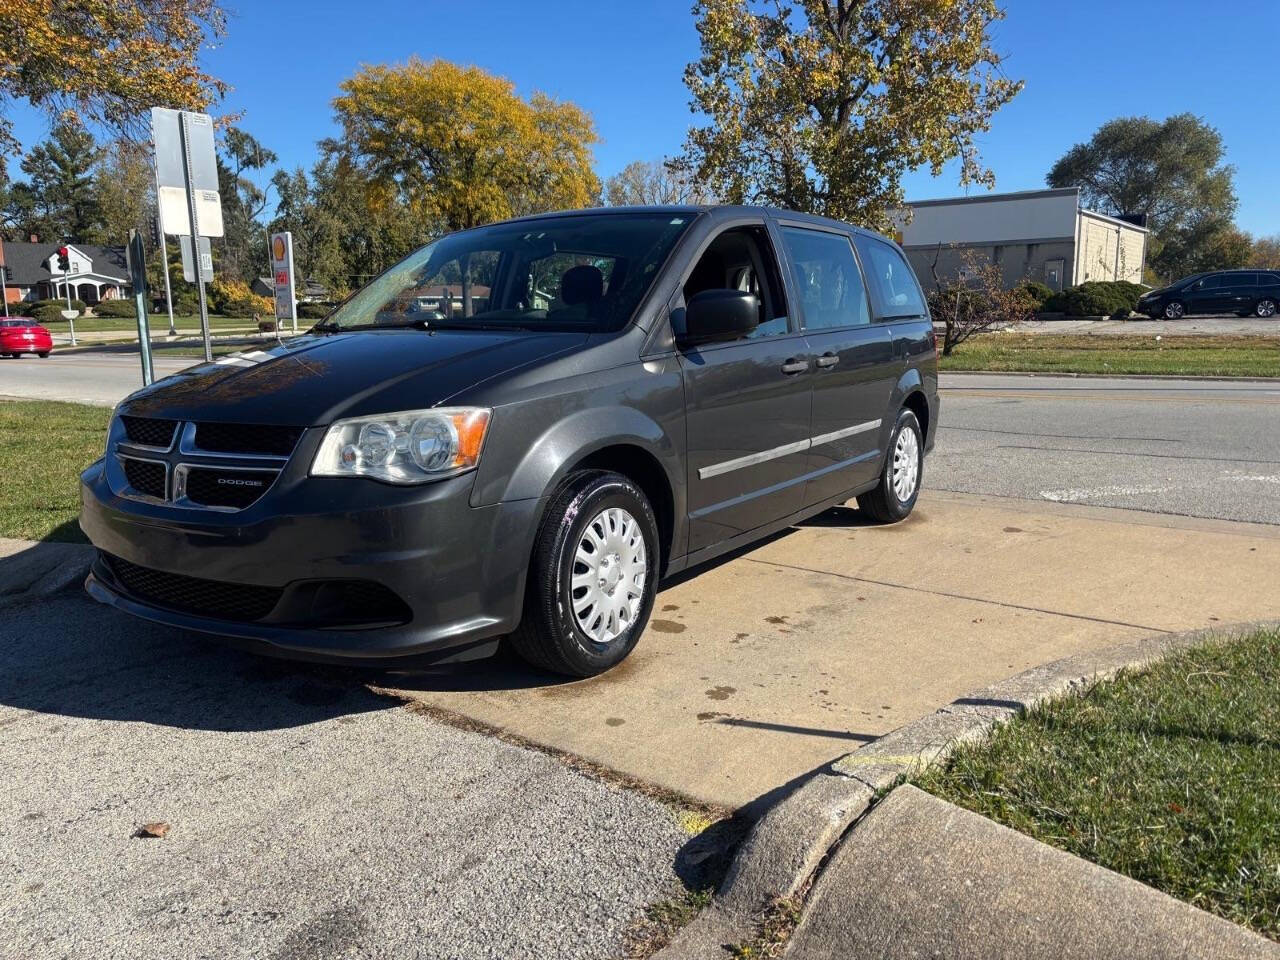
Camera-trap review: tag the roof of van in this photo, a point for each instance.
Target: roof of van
(720, 210)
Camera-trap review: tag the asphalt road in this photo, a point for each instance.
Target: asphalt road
(99, 378)
(1195, 448)
(308, 816)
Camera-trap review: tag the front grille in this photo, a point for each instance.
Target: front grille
(145, 476)
(150, 432)
(209, 598)
(214, 487)
(253, 438)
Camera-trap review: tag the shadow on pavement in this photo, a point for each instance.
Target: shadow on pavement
(67, 655)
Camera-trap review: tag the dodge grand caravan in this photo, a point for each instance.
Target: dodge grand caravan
(517, 432)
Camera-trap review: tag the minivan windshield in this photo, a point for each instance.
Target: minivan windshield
(585, 272)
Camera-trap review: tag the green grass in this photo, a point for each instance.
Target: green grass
(1170, 776)
(159, 323)
(1177, 356)
(43, 447)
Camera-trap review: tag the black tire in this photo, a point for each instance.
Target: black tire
(43, 354)
(549, 635)
(883, 503)
(1174, 310)
(1265, 308)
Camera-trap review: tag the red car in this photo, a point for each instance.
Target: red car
(19, 335)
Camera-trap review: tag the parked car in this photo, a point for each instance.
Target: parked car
(392, 485)
(1242, 292)
(19, 335)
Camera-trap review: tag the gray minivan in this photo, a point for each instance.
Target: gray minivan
(517, 432)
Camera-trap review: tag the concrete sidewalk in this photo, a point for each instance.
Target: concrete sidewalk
(919, 877)
(759, 670)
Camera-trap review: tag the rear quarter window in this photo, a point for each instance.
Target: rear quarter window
(894, 289)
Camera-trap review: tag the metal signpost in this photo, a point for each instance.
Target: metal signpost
(282, 278)
(187, 194)
(69, 314)
(135, 257)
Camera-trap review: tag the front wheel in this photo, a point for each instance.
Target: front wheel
(1265, 308)
(592, 578)
(43, 354)
(1173, 310)
(895, 496)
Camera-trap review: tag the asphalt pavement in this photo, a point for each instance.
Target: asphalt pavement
(1201, 448)
(307, 817)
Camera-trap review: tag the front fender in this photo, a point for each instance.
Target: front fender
(535, 442)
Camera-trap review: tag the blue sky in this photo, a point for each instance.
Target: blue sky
(1083, 63)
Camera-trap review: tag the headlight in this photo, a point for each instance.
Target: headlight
(409, 447)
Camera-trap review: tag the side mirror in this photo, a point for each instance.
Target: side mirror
(716, 315)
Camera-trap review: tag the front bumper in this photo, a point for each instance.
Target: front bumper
(459, 569)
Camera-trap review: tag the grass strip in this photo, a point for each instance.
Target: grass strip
(1190, 356)
(1170, 776)
(43, 447)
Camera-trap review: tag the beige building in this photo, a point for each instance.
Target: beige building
(1041, 235)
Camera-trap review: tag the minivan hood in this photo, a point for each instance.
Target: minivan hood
(315, 379)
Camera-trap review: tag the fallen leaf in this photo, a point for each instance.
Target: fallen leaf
(157, 829)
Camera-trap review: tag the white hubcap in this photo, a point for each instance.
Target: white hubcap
(906, 464)
(609, 571)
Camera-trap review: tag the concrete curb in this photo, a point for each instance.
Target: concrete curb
(30, 569)
(786, 847)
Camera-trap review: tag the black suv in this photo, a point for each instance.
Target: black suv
(1242, 292)
(519, 430)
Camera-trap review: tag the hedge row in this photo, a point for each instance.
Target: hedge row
(1096, 298)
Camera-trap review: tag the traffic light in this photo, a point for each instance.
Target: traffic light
(64, 260)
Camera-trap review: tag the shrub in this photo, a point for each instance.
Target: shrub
(1036, 291)
(115, 308)
(233, 298)
(1096, 298)
(59, 303)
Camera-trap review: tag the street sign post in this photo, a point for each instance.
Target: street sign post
(136, 259)
(188, 201)
(282, 278)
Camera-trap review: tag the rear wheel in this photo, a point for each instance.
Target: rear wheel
(895, 496)
(42, 354)
(1173, 310)
(1265, 308)
(592, 577)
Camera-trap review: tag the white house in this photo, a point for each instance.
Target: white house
(97, 273)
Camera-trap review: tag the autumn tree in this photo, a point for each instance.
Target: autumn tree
(108, 61)
(1172, 172)
(460, 146)
(125, 187)
(824, 105)
(1265, 252)
(654, 183)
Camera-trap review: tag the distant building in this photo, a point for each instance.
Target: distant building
(97, 273)
(308, 291)
(1039, 235)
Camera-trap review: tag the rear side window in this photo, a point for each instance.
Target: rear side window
(827, 278)
(1269, 279)
(893, 286)
(1246, 280)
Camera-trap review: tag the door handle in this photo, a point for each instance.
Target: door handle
(828, 360)
(795, 366)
